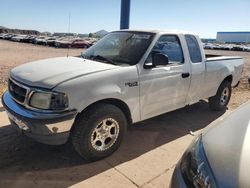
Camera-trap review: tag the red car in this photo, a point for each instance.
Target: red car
(80, 43)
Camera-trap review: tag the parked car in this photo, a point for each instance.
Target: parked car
(246, 48)
(126, 77)
(40, 40)
(219, 157)
(9, 36)
(238, 48)
(51, 41)
(208, 46)
(2, 35)
(80, 43)
(17, 38)
(27, 39)
(63, 43)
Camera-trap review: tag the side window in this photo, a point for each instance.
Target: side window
(193, 48)
(170, 46)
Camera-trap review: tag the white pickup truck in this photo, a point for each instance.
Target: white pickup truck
(126, 77)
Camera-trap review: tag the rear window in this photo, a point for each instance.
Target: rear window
(193, 48)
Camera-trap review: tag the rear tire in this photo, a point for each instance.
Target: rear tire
(220, 101)
(99, 131)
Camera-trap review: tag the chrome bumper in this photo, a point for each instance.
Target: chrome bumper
(48, 128)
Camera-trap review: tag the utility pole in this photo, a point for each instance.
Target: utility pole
(125, 12)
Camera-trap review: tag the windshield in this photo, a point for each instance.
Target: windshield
(120, 48)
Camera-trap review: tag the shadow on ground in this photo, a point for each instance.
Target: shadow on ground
(24, 162)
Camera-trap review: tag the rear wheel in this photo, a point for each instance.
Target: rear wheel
(222, 97)
(98, 132)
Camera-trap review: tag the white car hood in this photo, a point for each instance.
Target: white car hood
(227, 147)
(50, 72)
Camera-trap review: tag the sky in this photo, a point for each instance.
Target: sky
(204, 17)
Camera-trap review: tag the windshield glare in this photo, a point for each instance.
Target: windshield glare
(120, 47)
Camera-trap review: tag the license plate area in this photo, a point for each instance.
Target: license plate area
(21, 124)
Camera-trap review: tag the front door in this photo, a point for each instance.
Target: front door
(164, 88)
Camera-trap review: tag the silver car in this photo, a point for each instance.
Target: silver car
(220, 156)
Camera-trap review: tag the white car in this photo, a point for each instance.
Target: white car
(126, 77)
(219, 157)
(18, 38)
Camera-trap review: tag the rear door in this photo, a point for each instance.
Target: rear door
(197, 61)
(164, 88)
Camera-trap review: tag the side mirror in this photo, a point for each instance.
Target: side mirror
(159, 59)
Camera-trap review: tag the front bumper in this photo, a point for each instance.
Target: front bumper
(48, 128)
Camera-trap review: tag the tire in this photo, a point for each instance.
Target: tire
(220, 101)
(99, 131)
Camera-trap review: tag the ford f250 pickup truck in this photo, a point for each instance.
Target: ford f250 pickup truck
(126, 77)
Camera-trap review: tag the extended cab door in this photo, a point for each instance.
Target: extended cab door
(164, 88)
(197, 63)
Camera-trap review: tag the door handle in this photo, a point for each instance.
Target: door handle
(185, 75)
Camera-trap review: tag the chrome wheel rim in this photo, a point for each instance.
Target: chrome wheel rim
(105, 134)
(224, 96)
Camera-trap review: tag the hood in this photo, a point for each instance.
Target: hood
(227, 147)
(50, 72)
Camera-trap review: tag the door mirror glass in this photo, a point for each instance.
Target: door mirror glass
(159, 59)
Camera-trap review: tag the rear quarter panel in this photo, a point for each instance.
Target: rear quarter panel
(217, 69)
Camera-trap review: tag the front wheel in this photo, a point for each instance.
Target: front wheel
(99, 131)
(221, 99)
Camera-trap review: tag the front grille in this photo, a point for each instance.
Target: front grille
(17, 91)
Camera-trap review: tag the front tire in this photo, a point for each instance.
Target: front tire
(99, 131)
(220, 101)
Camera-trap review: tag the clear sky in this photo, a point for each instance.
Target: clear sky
(204, 17)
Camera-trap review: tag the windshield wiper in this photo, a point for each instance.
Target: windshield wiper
(99, 57)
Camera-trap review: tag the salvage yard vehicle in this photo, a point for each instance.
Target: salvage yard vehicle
(80, 43)
(126, 77)
(18, 38)
(219, 157)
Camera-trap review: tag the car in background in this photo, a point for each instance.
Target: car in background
(63, 43)
(2, 35)
(246, 48)
(40, 40)
(208, 46)
(9, 36)
(220, 156)
(27, 39)
(238, 48)
(51, 41)
(80, 43)
(18, 38)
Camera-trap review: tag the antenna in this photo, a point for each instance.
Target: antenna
(69, 35)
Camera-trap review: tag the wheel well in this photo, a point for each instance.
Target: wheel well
(116, 102)
(229, 79)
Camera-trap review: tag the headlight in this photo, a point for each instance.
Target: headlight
(49, 100)
(195, 168)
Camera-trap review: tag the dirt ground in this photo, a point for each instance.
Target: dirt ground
(25, 163)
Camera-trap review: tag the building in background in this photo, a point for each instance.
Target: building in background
(233, 37)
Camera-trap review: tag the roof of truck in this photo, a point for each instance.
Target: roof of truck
(161, 31)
